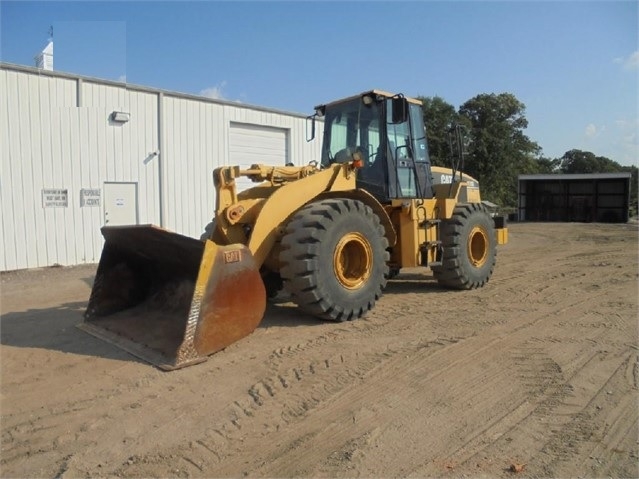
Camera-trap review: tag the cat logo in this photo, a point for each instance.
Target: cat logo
(234, 256)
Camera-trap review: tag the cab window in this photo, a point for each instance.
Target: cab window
(398, 136)
(401, 151)
(419, 133)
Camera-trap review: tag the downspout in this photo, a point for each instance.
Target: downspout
(78, 92)
(160, 156)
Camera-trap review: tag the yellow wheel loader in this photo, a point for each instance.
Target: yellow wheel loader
(329, 234)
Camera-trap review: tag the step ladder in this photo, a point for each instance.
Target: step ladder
(428, 246)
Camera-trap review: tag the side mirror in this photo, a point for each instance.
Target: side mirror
(399, 106)
(310, 127)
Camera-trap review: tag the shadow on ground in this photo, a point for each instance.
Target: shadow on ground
(413, 283)
(55, 328)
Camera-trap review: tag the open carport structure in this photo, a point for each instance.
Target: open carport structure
(600, 197)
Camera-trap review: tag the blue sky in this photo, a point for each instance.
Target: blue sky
(573, 64)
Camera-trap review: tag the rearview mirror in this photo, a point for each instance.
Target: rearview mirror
(399, 106)
(310, 127)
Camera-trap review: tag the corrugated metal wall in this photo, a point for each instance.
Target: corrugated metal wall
(194, 144)
(56, 134)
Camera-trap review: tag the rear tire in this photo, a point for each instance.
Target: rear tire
(334, 259)
(469, 248)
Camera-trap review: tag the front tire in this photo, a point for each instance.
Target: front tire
(334, 259)
(469, 248)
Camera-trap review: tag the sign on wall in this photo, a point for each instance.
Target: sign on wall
(55, 198)
(89, 197)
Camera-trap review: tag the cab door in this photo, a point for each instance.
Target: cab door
(409, 169)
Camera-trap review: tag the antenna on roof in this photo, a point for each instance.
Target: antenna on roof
(50, 33)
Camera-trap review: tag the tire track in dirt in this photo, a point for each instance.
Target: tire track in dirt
(472, 378)
(386, 366)
(588, 366)
(575, 307)
(18, 438)
(550, 254)
(602, 424)
(286, 397)
(562, 407)
(105, 453)
(375, 328)
(71, 424)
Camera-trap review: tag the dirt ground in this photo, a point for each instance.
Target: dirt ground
(538, 369)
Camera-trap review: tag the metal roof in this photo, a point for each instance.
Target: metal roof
(577, 176)
(132, 87)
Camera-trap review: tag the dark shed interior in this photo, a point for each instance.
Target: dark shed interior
(599, 197)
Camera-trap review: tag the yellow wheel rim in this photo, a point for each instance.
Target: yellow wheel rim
(353, 260)
(478, 246)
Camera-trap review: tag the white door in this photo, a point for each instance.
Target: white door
(120, 204)
(256, 144)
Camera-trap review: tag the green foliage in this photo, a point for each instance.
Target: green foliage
(546, 166)
(499, 149)
(439, 116)
(577, 161)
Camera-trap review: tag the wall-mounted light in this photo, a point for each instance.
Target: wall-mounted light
(120, 116)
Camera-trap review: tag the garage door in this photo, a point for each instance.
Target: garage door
(252, 144)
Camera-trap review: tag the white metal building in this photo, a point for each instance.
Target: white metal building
(78, 153)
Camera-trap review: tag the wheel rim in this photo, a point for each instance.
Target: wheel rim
(352, 261)
(478, 246)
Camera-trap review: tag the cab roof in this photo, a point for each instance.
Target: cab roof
(370, 92)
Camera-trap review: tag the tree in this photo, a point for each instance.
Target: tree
(439, 116)
(577, 161)
(547, 165)
(499, 149)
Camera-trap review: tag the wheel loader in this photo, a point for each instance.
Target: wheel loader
(330, 234)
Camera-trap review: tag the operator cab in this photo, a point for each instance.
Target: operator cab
(386, 132)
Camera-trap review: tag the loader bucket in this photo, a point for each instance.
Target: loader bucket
(170, 299)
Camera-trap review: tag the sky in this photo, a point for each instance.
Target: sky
(574, 64)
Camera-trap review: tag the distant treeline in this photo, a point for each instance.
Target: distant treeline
(496, 149)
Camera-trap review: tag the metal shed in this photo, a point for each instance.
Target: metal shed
(79, 152)
(598, 197)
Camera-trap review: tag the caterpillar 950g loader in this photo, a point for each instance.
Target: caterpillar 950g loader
(330, 234)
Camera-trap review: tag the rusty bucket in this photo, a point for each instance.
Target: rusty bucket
(170, 299)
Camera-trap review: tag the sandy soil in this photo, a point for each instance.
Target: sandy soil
(537, 369)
